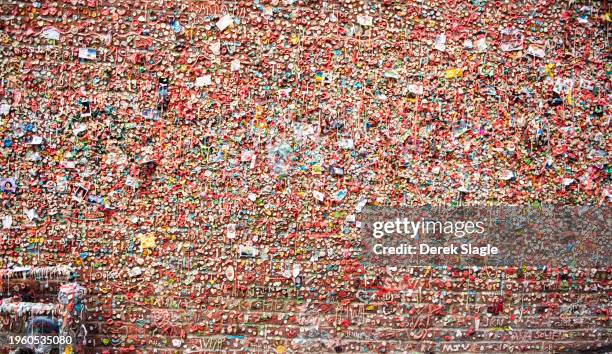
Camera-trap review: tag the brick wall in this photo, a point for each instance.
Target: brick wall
(156, 258)
(413, 309)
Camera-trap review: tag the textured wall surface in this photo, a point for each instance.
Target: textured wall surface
(150, 142)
